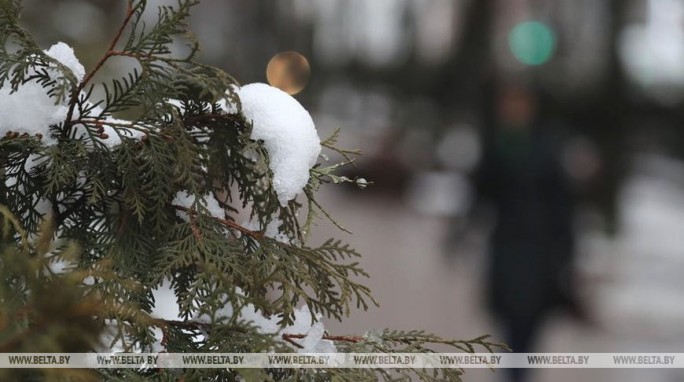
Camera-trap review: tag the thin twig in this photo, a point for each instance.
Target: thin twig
(227, 223)
(291, 341)
(193, 227)
(354, 339)
(109, 53)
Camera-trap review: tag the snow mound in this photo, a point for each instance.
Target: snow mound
(289, 135)
(30, 109)
(65, 55)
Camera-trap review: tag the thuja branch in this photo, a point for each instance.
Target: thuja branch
(138, 56)
(188, 325)
(110, 50)
(289, 337)
(204, 118)
(121, 125)
(225, 222)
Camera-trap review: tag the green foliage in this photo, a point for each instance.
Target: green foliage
(116, 202)
(42, 311)
(19, 53)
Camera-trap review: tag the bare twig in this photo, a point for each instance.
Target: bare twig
(109, 53)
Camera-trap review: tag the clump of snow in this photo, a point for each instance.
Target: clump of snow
(30, 109)
(313, 330)
(65, 55)
(314, 342)
(184, 200)
(288, 133)
(112, 128)
(267, 325)
(209, 202)
(114, 134)
(303, 324)
(271, 230)
(165, 305)
(226, 106)
(214, 207)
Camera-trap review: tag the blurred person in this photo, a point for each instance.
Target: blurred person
(531, 245)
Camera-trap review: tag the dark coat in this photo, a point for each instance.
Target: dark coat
(531, 246)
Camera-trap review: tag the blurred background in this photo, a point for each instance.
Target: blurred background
(500, 135)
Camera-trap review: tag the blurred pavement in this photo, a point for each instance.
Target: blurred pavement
(418, 287)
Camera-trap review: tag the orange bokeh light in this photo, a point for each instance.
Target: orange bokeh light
(288, 71)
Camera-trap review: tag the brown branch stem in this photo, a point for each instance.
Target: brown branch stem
(109, 53)
(226, 222)
(189, 325)
(193, 227)
(292, 342)
(129, 54)
(290, 337)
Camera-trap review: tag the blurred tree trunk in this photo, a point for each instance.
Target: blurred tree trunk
(610, 114)
(471, 69)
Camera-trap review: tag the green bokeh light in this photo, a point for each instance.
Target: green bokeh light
(532, 42)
